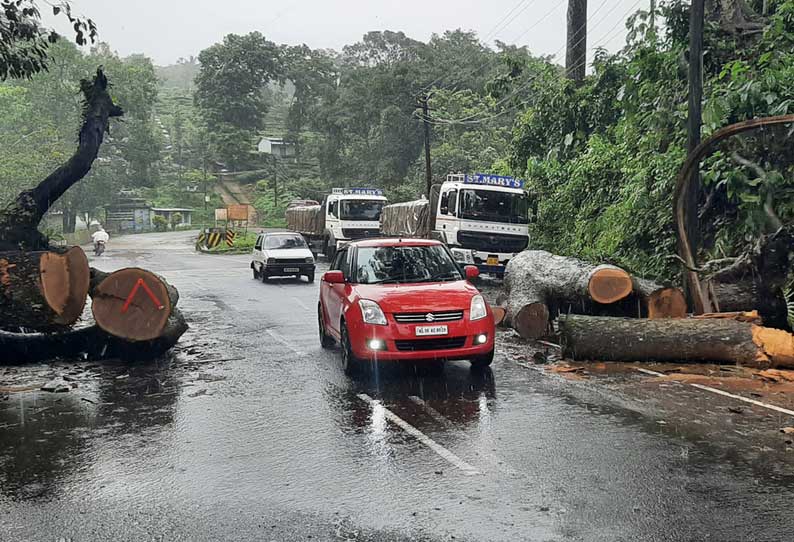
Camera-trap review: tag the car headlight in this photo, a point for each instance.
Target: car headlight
(271, 260)
(478, 310)
(371, 312)
(309, 260)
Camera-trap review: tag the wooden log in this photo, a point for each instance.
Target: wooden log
(659, 301)
(538, 283)
(42, 290)
(132, 303)
(90, 343)
(751, 317)
(675, 340)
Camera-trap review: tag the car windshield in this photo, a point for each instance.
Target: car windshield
(404, 264)
(284, 241)
(494, 206)
(360, 209)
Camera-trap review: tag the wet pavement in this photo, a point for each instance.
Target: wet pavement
(250, 431)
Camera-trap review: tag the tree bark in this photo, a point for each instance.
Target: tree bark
(90, 343)
(539, 284)
(679, 341)
(42, 291)
(659, 301)
(19, 221)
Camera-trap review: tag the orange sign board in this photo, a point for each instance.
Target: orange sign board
(237, 212)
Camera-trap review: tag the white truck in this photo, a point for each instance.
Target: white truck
(346, 214)
(483, 219)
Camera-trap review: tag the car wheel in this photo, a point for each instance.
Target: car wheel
(480, 362)
(310, 276)
(326, 341)
(349, 361)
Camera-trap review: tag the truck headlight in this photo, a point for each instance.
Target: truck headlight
(478, 310)
(371, 312)
(463, 256)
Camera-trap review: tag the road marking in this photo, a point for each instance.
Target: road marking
(435, 414)
(467, 469)
(724, 393)
(284, 342)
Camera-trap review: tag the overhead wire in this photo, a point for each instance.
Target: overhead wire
(472, 119)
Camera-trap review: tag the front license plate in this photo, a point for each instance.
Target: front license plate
(292, 269)
(493, 260)
(423, 331)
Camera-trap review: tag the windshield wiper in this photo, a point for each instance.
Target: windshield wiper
(442, 277)
(387, 280)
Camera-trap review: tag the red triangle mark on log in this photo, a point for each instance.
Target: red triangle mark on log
(142, 284)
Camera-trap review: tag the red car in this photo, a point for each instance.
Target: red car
(403, 300)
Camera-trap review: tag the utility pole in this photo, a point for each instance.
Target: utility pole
(426, 120)
(576, 42)
(694, 119)
(652, 18)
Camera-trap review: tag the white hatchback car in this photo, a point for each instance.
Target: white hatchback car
(282, 254)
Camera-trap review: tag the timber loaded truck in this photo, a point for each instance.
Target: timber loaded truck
(483, 219)
(346, 214)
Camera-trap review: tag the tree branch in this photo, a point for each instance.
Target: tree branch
(19, 221)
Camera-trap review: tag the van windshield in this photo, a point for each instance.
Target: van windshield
(284, 241)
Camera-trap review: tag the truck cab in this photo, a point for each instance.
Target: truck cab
(482, 218)
(350, 214)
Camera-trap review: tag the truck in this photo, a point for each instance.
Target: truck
(346, 214)
(483, 219)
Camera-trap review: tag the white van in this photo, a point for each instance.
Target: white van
(282, 254)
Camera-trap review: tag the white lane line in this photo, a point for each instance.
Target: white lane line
(724, 393)
(435, 414)
(284, 342)
(467, 469)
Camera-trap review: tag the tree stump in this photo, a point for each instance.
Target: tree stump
(42, 290)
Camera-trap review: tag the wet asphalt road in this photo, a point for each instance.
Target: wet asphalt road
(250, 431)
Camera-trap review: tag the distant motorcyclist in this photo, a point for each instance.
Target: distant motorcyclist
(100, 238)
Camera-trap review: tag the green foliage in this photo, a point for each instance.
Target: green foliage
(602, 157)
(160, 223)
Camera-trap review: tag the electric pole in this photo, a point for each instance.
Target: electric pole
(426, 120)
(576, 42)
(694, 119)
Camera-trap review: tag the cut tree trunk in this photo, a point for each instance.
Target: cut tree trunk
(677, 340)
(132, 303)
(538, 283)
(88, 343)
(42, 291)
(659, 301)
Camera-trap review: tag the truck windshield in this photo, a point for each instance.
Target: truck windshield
(400, 264)
(494, 206)
(360, 209)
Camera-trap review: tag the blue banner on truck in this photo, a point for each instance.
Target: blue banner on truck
(494, 180)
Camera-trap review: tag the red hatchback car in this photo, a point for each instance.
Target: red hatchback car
(403, 300)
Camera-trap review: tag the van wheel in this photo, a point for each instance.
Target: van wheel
(256, 273)
(310, 276)
(263, 275)
(481, 362)
(350, 363)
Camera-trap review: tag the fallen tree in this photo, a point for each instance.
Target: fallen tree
(680, 340)
(45, 288)
(539, 285)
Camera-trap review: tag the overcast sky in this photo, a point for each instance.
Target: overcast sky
(166, 30)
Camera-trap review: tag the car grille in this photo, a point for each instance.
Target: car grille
(492, 242)
(359, 233)
(289, 261)
(422, 317)
(445, 343)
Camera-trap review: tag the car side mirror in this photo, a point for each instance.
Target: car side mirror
(334, 277)
(471, 272)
